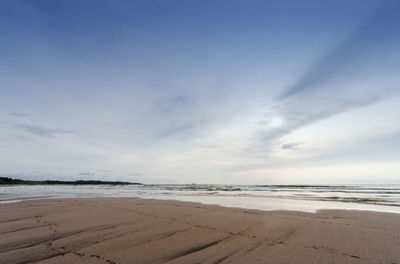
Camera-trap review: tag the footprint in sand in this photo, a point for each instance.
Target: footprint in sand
(100, 257)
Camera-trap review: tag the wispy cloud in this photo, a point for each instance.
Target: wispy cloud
(176, 131)
(368, 46)
(291, 146)
(18, 114)
(43, 132)
(300, 113)
(171, 104)
(336, 83)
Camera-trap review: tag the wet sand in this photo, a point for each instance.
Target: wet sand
(129, 230)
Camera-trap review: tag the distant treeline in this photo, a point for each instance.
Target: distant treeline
(5, 180)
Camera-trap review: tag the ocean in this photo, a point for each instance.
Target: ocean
(308, 198)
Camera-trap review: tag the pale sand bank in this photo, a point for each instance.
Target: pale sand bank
(129, 230)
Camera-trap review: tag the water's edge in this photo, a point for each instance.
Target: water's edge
(309, 198)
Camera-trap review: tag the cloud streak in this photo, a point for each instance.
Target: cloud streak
(43, 132)
(336, 83)
(372, 43)
(18, 114)
(290, 146)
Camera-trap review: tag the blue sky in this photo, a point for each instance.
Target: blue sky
(250, 92)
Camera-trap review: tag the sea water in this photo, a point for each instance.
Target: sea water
(308, 198)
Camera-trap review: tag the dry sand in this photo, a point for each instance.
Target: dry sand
(129, 230)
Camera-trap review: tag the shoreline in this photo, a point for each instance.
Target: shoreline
(371, 198)
(338, 206)
(134, 230)
(194, 203)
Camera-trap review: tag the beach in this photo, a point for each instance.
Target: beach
(131, 230)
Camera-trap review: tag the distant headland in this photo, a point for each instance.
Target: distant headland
(8, 181)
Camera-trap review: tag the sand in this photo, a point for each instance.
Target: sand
(129, 230)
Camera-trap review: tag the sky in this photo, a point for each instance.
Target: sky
(186, 91)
